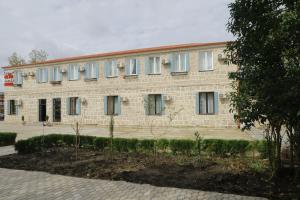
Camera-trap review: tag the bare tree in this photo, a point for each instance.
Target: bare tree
(15, 60)
(77, 128)
(37, 56)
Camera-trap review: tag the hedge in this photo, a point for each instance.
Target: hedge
(7, 138)
(211, 146)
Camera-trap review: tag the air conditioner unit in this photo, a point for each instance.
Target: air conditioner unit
(63, 70)
(165, 61)
(222, 96)
(24, 74)
(120, 65)
(19, 102)
(222, 56)
(124, 99)
(167, 98)
(82, 68)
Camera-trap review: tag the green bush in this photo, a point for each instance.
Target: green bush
(225, 147)
(262, 148)
(182, 146)
(146, 145)
(120, 144)
(87, 141)
(100, 143)
(162, 144)
(7, 139)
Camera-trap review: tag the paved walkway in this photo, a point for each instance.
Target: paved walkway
(30, 130)
(23, 185)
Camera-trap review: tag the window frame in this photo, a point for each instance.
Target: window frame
(113, 98)
(155, 104)
(206, 103)
(178, 58)
(56, 72)
(155, 64)
(12, 108)
(73, 102)
(131, 66)
(201, 69)
(76, 69)
(113, 68)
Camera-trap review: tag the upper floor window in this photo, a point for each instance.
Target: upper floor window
(73, 106)
(154, 104)
(42, 75)
(11, 107)
(55, 74)
(205, 60)
(73, 72)
(152, 65)
(91, 70)
(18, 78)
(180, 62)
(132, 67)
(207, 103)
(112, 105)
(111, 68)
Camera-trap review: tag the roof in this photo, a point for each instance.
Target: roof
(125, 52)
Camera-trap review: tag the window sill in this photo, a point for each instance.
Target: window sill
(209, 70)
(152, 74)
(131, 76)
(90, 79)
(73, 80)
(112, 77)
(178, 73)
(55, 82)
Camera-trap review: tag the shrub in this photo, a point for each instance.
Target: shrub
(120, 144)
(162, 144)
(100, 143)
(225, 147)
(146, 145)
(87, 141)
(182, 146)
(7, 139)
(262, 148)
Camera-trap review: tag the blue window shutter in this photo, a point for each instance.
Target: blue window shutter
(107, 68)
(147, 67)
(163, 105)
(78, 69)
(216, 102)
(78, 106)
(86, 70)
(17, 109)
(127, 67)
(51, 73)
(197, 106)
(118, 105)
(15, 77)
(37, 75)
(21, 78)
(97, 69)
(8, 107)
(146, 104)
(172, 62)
(59, 74)
(69, 72)
(105, 105)
(46, 74)
(187, 62)
(138, 66)
(68, 106)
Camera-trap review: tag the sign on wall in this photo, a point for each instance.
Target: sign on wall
(8, 78)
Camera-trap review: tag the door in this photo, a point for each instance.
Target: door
(42, 110)
(56, 110)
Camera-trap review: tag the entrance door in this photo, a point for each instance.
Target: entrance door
(56, 110)
(42, 110)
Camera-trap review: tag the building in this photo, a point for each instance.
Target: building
(1, 106)
(183, 85)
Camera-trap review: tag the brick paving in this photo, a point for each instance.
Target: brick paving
(23, 185)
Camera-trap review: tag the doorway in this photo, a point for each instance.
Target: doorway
(42, 110)
(56, 110)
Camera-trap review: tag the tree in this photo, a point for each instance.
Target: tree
(16, 60)
(37, 56)
(266, 84)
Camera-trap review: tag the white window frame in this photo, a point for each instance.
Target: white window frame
(206, 66)
(179, 58)
(131, 66)
(75, 71)
(114, 71)
(44, 74)
(56, 73)
(92, 71)
(156, 67)
(73, 106)
(206, 112)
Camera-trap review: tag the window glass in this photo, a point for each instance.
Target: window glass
(154, 104)
(181, 62)
(154, 65)
(206, 103)
(112, 103)
(133, 66)
(205, 60)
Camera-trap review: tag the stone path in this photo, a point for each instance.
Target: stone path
(30, 185)
(7, 150)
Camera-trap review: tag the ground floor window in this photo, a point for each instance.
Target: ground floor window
(11, 107)
(112, 105)
(154, 104)
(207, 103)
(73, 105)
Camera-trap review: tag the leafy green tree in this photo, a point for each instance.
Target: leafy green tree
(267, 82)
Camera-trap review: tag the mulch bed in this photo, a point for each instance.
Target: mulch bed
(226, 175)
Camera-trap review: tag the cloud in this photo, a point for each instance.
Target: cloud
(75, 27)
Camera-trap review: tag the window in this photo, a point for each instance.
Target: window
(112, 105)
(11, 107)
(91, 71)
(154, 104)
(133, 67)
(205, 61)
(42, 75)
(181, 62)
(154, 65)
(111, 68)
(18, 79)
(73, 72)
(55, 74)
(207, 103)
(73, 106)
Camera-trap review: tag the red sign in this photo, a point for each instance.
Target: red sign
(8, 78)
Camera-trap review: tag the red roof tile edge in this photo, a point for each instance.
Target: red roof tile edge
(124, 52)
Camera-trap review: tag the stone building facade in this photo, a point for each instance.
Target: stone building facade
(181, 85)
(1, 106)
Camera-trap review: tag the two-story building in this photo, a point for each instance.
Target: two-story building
(182, 85)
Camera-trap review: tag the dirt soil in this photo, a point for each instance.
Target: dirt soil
(226, 175)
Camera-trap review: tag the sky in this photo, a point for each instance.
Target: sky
(76, 27)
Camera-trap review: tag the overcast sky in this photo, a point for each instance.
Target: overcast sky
(76, 27)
